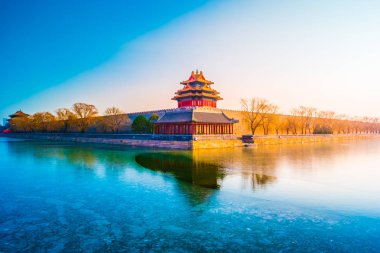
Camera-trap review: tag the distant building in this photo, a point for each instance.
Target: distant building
(196, 112)
(18, 114)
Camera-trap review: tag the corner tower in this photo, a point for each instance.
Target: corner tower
(197, 92)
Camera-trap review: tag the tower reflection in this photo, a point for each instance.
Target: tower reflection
(184, 167)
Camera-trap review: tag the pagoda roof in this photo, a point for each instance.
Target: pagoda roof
(196, 116)
(197, 95)
(18, 114)
(197, 77)
(188, 88)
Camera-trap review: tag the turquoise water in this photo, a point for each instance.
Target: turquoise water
(304, 198)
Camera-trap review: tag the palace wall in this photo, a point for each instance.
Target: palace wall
(195, 142)
(139, 140)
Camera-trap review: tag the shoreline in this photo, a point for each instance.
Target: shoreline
(186, 142)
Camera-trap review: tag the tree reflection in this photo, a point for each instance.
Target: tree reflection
(82, 156)
(256, 167)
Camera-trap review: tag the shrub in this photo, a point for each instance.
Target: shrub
(140, 125)
(323, 130)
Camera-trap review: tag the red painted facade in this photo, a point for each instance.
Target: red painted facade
(190, 103)
(193, 128)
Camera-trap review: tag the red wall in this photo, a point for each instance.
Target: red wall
(196, 103)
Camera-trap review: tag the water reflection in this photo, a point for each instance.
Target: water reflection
(101, 198)
(252, 169)
(205, 168)
(83, 156)
(184, 167)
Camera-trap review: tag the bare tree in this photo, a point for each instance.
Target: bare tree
(310, 117)
(280, 123)
(66, 118)
(304, 119)
(254, 112)
(341, 125)
(114, 118)
(42, 121)
(299, 119)
(293, 122)
(269, 117)
(85, 114)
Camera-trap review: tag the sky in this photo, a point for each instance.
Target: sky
(133, 54)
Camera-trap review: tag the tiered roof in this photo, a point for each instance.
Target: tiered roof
(195, 116)
(18, 114)
(190, 88)
(197, 77)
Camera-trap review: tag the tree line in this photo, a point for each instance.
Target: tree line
(257, 114)
(260, 113)
(81, 118)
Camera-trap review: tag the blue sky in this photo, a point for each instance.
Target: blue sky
(134, 54)
(43, 42)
